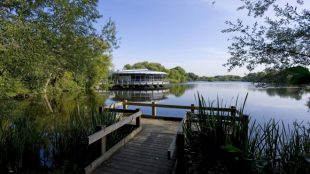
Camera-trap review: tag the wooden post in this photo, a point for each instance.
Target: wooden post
(138, 119)
(100, 109)
(180, 153)
(103, 143)
(125, 106)
(245, 128)
(192, 108)
(188, 120)
(153, 109)
(233, 111)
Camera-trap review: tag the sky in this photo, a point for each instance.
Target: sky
(184, 33)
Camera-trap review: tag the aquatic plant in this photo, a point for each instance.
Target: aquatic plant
(51, 144)
(217, 141)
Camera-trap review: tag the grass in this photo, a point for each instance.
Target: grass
(217, 142)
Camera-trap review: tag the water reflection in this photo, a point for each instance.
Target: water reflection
(33, 132)
(179, 89)
(290, 92)
(288, 104)
(139, 95)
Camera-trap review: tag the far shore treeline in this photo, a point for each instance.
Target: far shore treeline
(289, 76)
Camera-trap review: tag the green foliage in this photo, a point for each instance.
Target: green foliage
(178, 74)
(298, 75)
(192, 76)
(41, 41)
(221, 78)
(36, 140)
(280, 42)
(292, 76)
(147, 65)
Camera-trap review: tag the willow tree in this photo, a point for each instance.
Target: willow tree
(42, 41)
(281, 41)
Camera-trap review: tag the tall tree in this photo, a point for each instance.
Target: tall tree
(281, 41)
(42, 40)
(147, 65)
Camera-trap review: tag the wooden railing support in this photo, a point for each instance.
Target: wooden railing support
(233, 110)
(125, 106)
(138, 119)
(154, 109)
(180, 145)
(192, 108)
(100, 109)
(103, 140)
(180, 152)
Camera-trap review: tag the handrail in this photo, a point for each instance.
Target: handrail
(100, 134)
(154, 105)
(179, 106)
(232, 110)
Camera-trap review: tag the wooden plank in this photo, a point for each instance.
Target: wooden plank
(98, 135)
(147, 152)
(111, 151)
(146, 164)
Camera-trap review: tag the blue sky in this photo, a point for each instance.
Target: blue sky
(184, 33)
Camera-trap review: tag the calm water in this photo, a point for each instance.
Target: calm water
(42, 117)
(287, 104)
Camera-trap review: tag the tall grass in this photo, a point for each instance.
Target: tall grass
(55, 145)
(279, 148)
(218, 142)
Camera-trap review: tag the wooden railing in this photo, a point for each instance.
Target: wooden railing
(232, 110)
(101, 136)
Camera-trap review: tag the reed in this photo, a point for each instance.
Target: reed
(57, 145)
(217, 142)
(279, 148)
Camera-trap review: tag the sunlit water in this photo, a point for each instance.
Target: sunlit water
(262, 104)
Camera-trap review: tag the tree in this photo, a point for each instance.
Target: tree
(177, 75)
(42, 42)
(192, 76)
(281, 42)
(147, 65)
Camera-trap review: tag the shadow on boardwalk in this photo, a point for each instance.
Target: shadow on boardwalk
(146, 153)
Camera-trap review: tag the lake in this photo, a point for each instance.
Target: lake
(285, 103)
(40, 129)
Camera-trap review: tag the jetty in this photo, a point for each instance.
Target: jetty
(156, 145)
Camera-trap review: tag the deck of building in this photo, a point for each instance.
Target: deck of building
(146, 153)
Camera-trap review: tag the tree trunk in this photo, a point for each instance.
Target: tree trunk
(49, 106)
(47, 83)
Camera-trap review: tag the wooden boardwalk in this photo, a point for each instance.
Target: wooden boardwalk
(146, 153)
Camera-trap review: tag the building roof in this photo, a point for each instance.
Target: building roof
(139, 71)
